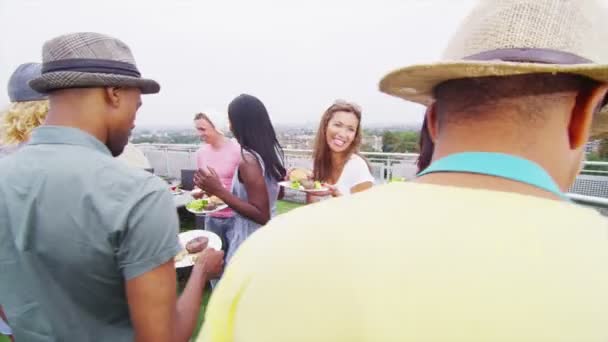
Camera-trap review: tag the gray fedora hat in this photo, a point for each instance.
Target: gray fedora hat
(89, 60)
(18, 88)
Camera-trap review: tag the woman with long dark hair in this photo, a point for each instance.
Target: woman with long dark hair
(336, 158)
(255, 184)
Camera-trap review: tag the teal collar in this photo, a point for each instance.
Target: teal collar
(63, 135)
(499, 165)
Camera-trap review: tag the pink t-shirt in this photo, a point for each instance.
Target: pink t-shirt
(224, 161)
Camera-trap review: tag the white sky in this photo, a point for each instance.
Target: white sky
(296, 56)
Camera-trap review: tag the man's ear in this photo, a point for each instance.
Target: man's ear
(432, 122)
(112, 96)
(586, 106)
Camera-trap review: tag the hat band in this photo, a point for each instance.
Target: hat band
(530, 55)
(91, 65)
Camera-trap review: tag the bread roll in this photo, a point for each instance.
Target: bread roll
(297, 175)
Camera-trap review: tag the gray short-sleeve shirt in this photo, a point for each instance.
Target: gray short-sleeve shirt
(75, 225)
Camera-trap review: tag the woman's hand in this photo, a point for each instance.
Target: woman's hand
(332, 190)
(197, 193)
(208, 181)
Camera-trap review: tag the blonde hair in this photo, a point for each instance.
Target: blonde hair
(18, 121)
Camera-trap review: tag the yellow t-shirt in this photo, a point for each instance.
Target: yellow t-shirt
(415, 262)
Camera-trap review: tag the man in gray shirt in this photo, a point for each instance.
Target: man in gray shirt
(87, 243)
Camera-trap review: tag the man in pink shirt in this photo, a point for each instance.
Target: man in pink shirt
(222, 155)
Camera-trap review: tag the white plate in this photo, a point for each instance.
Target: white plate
(215, 242)
(205, 212)
(287, 184)
(177, 192)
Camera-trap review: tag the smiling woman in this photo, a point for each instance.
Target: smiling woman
(336, 154)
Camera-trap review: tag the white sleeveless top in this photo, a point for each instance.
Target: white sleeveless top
(356, 171)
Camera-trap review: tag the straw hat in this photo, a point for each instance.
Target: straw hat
(86, 60)
(513, 37)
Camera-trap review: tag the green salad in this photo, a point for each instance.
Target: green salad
(197, 205)
(306, 184)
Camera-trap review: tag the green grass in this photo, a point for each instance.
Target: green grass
(201, 315)
(181, 283)
(284, 206)
(4, 338)
(186, 220)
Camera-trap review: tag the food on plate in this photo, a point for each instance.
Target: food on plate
(197, 244)
(205, 204)
(198, 205)
(307, 184)
(216, 200)
(193, 249)
(184, 254)
(213, 202)
(295, 185)
(301, 179)
(181, 255)
(195, 257)
(211, 206)
(299, 174)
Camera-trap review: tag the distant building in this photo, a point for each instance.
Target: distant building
(297, 142)
(374, 142)
(593, 146)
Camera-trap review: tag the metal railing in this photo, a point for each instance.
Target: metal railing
(590, 188)
(598, 202)
(169, 159)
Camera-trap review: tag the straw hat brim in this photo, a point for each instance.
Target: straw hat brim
(416, 83)
(70, 79)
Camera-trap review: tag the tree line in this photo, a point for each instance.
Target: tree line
(400, 141)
